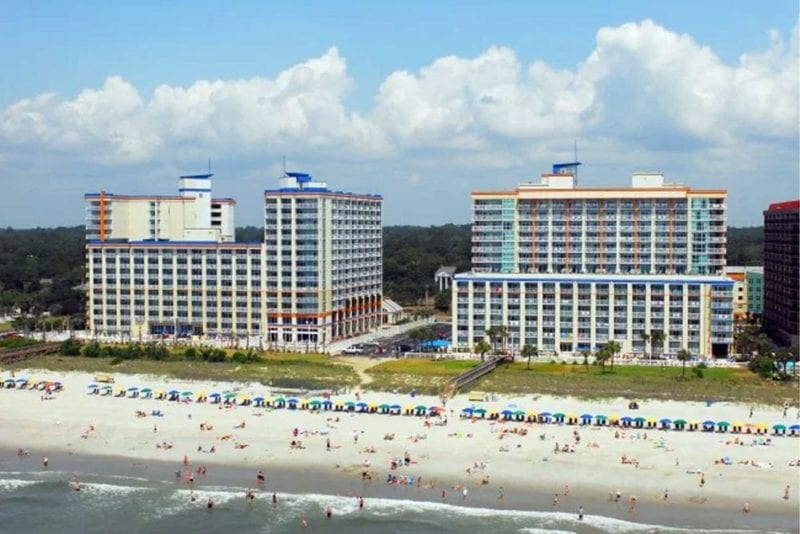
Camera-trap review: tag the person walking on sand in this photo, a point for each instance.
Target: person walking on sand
(702, 479)
(45, 461)
(580, 513)
(500, 493)
(464, 493)
(751, 412)
(555, 500)
(786, 492)
(633, 505)
(666, 494)
(746, 508)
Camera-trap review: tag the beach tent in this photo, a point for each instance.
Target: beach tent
(722, 426)
(665, 423)
(572, 418)
(794, 430)
(544, 417)
(586, 419)
(600, 419)
(779, 429)
(626, 421)
(559, 417)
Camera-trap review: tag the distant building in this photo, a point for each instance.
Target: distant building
(755, 290)
(781, 278)
(444, 277)
(740, 289)
(392, 312)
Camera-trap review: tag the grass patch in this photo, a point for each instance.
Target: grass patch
(717, 384)
(5, 327)
(281, 370)
(425, 376)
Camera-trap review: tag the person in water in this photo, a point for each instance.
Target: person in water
(210, 503)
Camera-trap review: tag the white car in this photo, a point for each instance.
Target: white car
(353, 349)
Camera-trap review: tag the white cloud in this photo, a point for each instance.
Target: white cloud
(643, 94)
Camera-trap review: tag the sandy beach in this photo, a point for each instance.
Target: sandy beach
(504, 462)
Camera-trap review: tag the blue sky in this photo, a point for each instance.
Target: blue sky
(381, 110)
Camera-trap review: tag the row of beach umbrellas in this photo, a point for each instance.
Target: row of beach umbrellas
(626, 421)
(31, 383)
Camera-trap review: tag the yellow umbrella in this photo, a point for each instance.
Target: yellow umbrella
(244, 396)
(572, 416)
(303, 401)
(652, 420)
(269, 399)
(161, 392)
(408, 407)
(338, 403)
(493, 412)
(613, 418)
(532, 414)
(201, 393)
(694, 422)
(762, 425)
(373, 405)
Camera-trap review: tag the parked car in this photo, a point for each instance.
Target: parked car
(354, 349)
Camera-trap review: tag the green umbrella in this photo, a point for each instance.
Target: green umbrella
(349, 403)
(519, 412)
(187, 394)
(481, 411)
(421, 407)
(639, 419)
(779, 427)
(600, 416)
(279, 399)
(229, 396)
(558, 414)
(316, 402)
(679, 422)
(106, 387)
(384, 406)
(723, 423)
(146, 390)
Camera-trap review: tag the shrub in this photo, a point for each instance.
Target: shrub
(92, 350)
(190, 354)
(763, 365)
(71, 347)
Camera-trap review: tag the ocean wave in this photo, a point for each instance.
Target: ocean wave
(10, 484)
(111, 489)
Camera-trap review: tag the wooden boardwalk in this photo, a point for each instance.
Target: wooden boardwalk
(467, 377)
(23, 353)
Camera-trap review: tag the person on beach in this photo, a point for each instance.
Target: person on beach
(260, 477)
(746, 508)
(666, 494)
(617, 496)
(751, 411)
(192, 496)
(786, 493)
(500, 493)
(328, 443)
(45, 461)
(632, 508)
(464, 493)
(274, 498)
(210, 503)
(702, 479)
(580, 513)
(328, 512)
(303, 523)
(444, 494)
(555, 500)
(361, 503)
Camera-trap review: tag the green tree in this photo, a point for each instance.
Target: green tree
(645, 340)
(443, 300)
(601, 357)
(613, 347)
(657, 341)
(71, 347)
(421, 334)
(497, 333)
(482, 347)
(586, 353)
(529, 351)
(684, 356)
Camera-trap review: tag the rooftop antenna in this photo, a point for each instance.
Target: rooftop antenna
(575, 150)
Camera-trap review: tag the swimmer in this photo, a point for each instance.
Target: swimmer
(746, 508)
(303, 523)
(328, 512)
(361, 503)
(45, 461)
(274, 498)
(500, 493)
(555, 500)
(192, 497)
(210, 503)
(260, 476)
(444, 494)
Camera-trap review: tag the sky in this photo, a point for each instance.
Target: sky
(421, 102)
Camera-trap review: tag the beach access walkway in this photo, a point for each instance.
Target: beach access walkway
(23, 353)
(467, 377)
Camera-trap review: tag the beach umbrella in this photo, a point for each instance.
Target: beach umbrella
(665, 421)
(106, 387)
(479, 411)
(291, 401)
(545, 414)
(519, 412)
(134, 388)
(215, 395)
(362, 405)
(383, 406)
(601, 417)
(626, 419)
(507, 412)
(279, 400)
(227, 396)
(420, 407)
(709, 424)
(147, 390)
(92, 386)
(586, 416)
(186, 394)
(779, 427)
(173, 392)
(244, 396)
(723, 425)
(559, 415)
(639, 419)
(794, 427)
(761, 425)
(315, 402)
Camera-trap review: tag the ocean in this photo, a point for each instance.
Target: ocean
(33, 500)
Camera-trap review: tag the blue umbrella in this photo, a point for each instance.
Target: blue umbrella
(794, 427)
(92, 386)
(328, 402)
(22, 379)
(468, 409)
(626, 419)
(708, 423)
(586, 416)
(507, 412)
(362, 404)
(291, 401)
(394, 407)
(133, 389)
(173, 392)
(215, 395)
(665, 421)
(258, 399)
(545, 414)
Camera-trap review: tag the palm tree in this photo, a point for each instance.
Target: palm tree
(529, 351)
(495, 333)
(645, 340)
(586, 353)
(657, 340)
(684, 356)
(613, 348)
(601, 356)
(482, 347)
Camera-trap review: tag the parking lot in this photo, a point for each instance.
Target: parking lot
(398, 344)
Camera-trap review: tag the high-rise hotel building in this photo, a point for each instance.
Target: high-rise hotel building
(169, 265)
(568, 268)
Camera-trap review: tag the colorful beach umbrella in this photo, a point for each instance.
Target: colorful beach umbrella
(639, 419)
(679, 421)
(779, 427)
(362, 405)
(315, 402)
(420, 407)
(519, 413)
(626, 419)
(383, 407)
(724, 424)
(665, 421)
(394, 407)
(229, 396)
(601, 416)
(507, 412)
(173, 392)
(761, 425)
(215, 395)
(544, 414)
(480, 411)
(92, 386)
(708, 423)
(147, 390)
(291, 401)
(794, 427)
(186, 394)
(586, 416)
